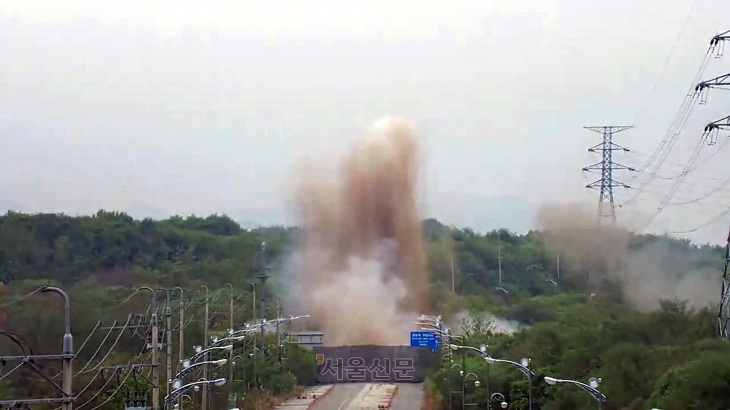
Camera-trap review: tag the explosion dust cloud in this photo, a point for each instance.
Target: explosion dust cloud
(571, 230)
(360, 268)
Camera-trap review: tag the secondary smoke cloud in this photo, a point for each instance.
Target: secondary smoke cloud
(359, 269)
(640, 271)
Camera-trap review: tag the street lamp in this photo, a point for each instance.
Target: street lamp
(482, 351)
(200, 352)
(463, 388)
(188, 366)
(591, 387)
(178, 405)
(497, 397)
(68, 347)
(524, 366)
(179, 388)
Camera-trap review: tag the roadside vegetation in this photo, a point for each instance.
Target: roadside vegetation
(663, 356)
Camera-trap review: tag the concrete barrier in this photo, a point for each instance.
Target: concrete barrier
(374, 397)
(305, 400)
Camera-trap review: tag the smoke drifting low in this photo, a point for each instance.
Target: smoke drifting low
(640, 271)
(359, 269)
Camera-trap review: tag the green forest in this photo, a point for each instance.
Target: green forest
(571, 325)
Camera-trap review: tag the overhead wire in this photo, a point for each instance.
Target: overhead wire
(19, 341)
(676, 184)
(663, 70)
(714, 219)
(123, 301)
(100, 371)
(21, 298)
(704, 196)
(114, 393)
(679, 178)
(101, 389)
(11, 371)
(88, 338)
(98, 349)
(119, 336)
(670, 137)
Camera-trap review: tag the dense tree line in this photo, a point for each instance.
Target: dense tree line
(667, 358)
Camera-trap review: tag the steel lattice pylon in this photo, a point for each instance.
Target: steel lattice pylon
(606, 167)
(723, 313)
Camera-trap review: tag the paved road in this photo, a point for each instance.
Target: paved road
(409, 397)
(339, 398)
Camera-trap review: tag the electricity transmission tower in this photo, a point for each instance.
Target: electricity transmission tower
(723, 313)
(606, 167)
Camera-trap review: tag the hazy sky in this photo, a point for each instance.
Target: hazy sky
(203, 106)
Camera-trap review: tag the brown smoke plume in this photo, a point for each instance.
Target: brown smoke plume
(571, 231)
(360, 269)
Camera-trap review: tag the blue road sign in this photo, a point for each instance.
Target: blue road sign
(426, 339)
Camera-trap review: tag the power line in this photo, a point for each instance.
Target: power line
(680, 119)
(14, 301)
(711, 221)
(663, 71)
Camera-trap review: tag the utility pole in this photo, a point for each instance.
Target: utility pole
(278, 334)
(181, 325)
(155, 358)
(263, 275)
(557, 264)
(232, 399)
(253, 351)
(205, 343)
(181, 341)
(499, 258)
(168, 341)
(452, 275)
(606, 167)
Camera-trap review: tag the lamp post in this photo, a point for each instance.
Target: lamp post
(231, 394)
(200, 352)
(179, 388)
(482, 351)
(243, 363)
(253, 354)
(188, 366)
(461, 373)
(282, 351)
(524, 366)
(435, 324)
(591, 387)
(498, 397)
(181, 325)
(463, 389)
(68, 348)
(178, 405)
